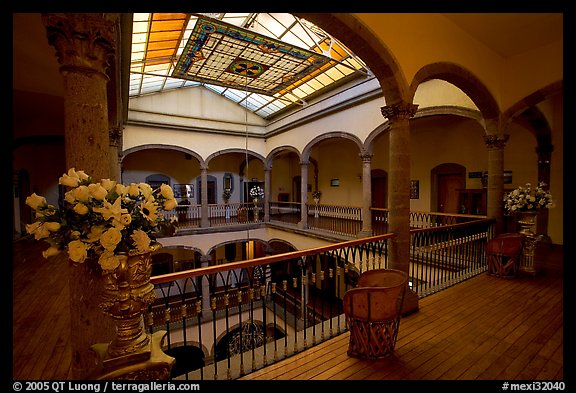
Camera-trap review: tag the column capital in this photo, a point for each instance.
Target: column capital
(400, 111)
(84, 42)
(496, 141)
(115, 134)
(366, 157)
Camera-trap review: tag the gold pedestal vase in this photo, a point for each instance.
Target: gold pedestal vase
(527, 220)
(127, 293)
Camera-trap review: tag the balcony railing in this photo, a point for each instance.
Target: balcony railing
(226, 320)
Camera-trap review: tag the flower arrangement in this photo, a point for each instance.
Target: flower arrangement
(526, 198)
(226, 195)
(316, 194)
(256, 192)
(105, 219)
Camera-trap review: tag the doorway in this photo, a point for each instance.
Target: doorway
(210, 190)
(379, 184)
(447, 179)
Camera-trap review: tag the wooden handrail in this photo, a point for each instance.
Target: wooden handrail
(264, 260)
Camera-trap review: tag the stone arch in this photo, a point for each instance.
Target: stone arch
(189, 356)
(305, 157)
(214, 247)
(281, 244)
(464, 80)
(251, 153)
(368, 146)
(278, 150)
(184, 150)
(354, 34)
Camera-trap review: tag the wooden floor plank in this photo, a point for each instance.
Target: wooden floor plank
(483, 328)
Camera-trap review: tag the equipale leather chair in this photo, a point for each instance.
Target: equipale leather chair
(372, 310)
(504, 253)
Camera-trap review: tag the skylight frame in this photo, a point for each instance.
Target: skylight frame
(155, 75)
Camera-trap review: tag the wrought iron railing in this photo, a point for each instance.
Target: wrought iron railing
(237, 317)
(341, 220)
(446, 255)
(285, 303)
(334, 219)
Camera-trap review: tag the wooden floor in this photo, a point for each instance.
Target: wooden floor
(485, 328)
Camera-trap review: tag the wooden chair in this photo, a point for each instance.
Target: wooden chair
(504, 253)
(372, 310)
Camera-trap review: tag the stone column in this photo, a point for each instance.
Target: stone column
(267, 171)
(85, 44)
(399, 196)
(115, 135)
(366, 195)
(495, 191)
(304, 195)
(205, 222)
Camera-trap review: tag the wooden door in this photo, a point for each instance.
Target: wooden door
(379, 190)
(448, 184)
(211, 191)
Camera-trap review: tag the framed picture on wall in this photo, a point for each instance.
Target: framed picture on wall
(183, 190)
(414, 189)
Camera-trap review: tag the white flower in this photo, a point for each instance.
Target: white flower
(524, 198)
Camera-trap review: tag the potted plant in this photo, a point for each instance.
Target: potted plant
(316, 196)
(114, 227)
(526, 201)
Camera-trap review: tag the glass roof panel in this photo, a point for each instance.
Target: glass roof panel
(274, 58)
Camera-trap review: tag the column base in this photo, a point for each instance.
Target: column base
(150, 363)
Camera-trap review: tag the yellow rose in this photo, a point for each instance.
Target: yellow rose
(110, 239)
(120, 189)
(36, 201)
(146, 190)
(77, 251)
(166, 191)
(82, 176)
(31, 228)
(81, 209)
(133, 190)
(71, 179)
(50, 252)
(81, 193)
(69, 197)
(108, 184)
(97, 191)
(52, 226)
(170, 204)
(41, 232)
(95, 233)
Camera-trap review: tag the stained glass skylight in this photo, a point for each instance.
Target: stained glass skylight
(264, 62)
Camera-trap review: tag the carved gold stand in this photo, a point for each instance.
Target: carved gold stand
(149, 363)
(527, 220)
(132, 354)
